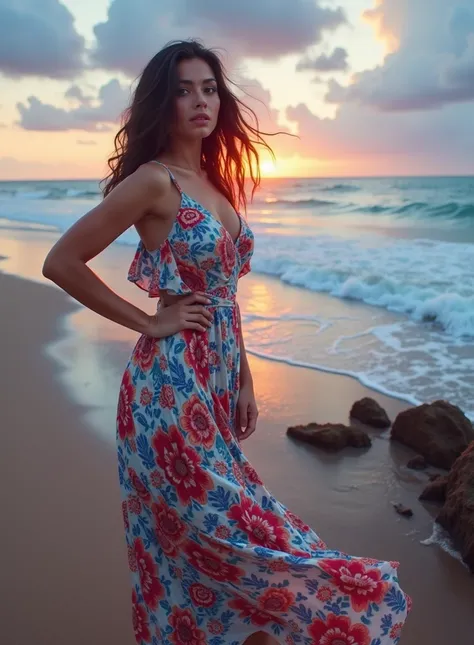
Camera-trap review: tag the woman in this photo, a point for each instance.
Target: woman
(214, 557)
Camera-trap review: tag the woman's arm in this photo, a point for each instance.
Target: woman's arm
(66, 263)
(247, 411)
(245, 373)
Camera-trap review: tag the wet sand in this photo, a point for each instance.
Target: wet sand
(65, 578)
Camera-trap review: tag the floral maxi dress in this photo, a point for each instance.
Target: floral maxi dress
(213, 556)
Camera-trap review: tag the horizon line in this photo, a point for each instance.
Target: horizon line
(386, 176)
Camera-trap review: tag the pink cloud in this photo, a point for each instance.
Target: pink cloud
(432, 66)
(112, 100)
(134, 32)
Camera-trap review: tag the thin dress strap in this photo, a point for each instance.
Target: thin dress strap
(172, 177)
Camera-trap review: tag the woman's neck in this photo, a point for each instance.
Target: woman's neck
(185, 157)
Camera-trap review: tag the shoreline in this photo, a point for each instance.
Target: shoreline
(372, 387)
(65, 485)
(343, 324)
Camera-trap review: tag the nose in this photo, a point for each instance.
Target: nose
(201, 101)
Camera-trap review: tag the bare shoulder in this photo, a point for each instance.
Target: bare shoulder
(150, 180)
(126, 205)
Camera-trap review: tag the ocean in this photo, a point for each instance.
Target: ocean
(393, 257)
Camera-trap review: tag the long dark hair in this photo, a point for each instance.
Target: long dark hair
(144, 134)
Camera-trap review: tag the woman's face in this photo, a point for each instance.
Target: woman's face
(197, 101)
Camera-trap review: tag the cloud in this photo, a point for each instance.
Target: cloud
(111, 101)
(335, 62)
(259, 31)
(258, 99)
(361, 140)
(134, 32)
(77, 94)
(432, 65)
(410, 115)
(459, 71)
(38, 38)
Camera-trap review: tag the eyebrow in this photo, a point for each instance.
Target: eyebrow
(206, 80)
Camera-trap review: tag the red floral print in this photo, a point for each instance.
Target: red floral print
(181, 466)
(217, 544)
(166, 397)
(238, 473)
(223, 532)
(396, 631)
(146, 350)
(134, 505)
(248, 610)
(222, 417)
(125, 424)
(208, 265)
(151, 587)
(170, 530)
(201, 595)
(245, 246)
(181, 248)
(297, 521)
(193, 278)
(338, 630)
(277, 600)
(251, 474)
(140, 488)
(325, 594)
(166, 254)
(211, 565)
(140, 623)
(214, 359)
(278, 565)
(163, 363)
(215, 627)
(221, 467)
(197, 420)
(364, 586)
(262, 527)
(185, 631)
(225, 250)
(196, 354)
(132, 560)
(126, 523)
(146, 397)
(190, 217)
(157, 479)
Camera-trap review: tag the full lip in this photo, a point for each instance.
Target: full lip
(201, 117)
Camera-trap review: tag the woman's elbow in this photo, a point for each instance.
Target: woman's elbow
(53, 267)
(47, 269)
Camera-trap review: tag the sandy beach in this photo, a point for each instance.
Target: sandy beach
(65, 578)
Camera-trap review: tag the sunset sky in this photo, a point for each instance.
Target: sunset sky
(371, 87)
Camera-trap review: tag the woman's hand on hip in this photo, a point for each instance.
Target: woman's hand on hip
(189, 312)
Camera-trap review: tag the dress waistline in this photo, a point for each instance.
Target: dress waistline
(216, 301)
